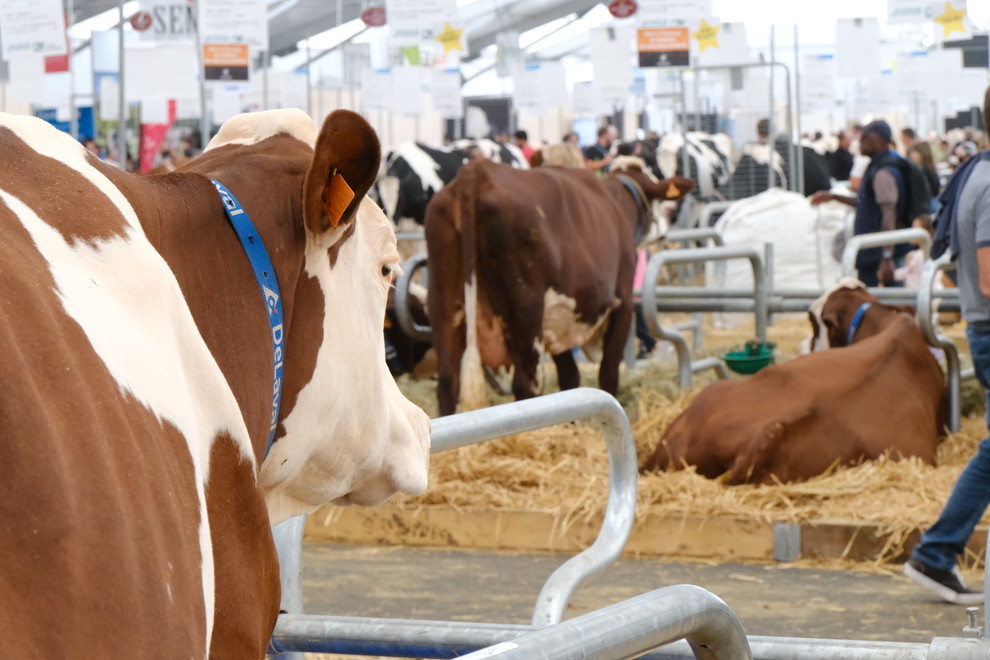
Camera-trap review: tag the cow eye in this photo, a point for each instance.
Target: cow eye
(387, 270)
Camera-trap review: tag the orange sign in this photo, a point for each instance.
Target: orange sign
(663, 46)
(226, 61)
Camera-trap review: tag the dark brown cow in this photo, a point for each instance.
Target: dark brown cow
(137, 383)
(523, 260)
(882, 393)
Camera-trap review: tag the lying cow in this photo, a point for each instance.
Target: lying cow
(526, 259)
(878, 390)
(147, 370)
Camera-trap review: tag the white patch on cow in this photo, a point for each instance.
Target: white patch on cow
(472, 391)
(253, 127)
(819, 342)
(562, 330)
(422, 165)
(667, 153)
(370, 456)
(388, 192)
(121, 289)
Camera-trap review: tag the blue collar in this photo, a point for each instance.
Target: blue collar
(264, 272)
(641, 206)
(857, 319)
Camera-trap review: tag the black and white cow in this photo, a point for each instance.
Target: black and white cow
(411, 175)
(709, 159)
(413, 172)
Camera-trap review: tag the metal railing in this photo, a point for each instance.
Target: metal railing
(914, 235)
(685, 366)
(597, 408)
(402, 312)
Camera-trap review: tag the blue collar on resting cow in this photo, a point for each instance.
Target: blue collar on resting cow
(644, 214)
(264, 272)
(857, 319)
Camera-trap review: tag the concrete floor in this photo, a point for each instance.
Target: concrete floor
(774, 600)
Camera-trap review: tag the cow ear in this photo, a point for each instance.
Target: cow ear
(833, 324)
(344, 167)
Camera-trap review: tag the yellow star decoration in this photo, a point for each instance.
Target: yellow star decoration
(707, 35)
(952, 20)
(450, 38)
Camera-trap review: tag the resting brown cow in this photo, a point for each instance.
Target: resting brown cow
(521, 260)
(883, 392)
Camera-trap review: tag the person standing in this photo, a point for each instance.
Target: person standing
(598, 156)
(840, 161)
(521, 140)
(963, 226)
(882, 196)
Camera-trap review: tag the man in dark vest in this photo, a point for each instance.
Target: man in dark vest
(882, 195)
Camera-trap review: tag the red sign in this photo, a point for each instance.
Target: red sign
(373, 16)
(622, 8)
(141, 21)
(152, 136)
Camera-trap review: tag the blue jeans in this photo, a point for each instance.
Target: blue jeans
(947, 538)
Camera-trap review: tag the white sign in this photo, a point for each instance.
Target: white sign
(538, 87)
(31, 27)
(611, 58)
(445, 88)
(671, 13)
(411, 22)
(227, 102)
(27, 78)
(376, 90)
(857, 47)
(166, 21)
(909, 11)
(818, 81)
(729, 48)
(109, 94)
(234, 22)
(166, 70)
(407, 91)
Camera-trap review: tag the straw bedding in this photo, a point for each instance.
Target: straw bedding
(564, 470)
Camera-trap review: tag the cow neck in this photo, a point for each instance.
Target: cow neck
(644, 213)
(264, 273)
(183, 218)
(856, 321)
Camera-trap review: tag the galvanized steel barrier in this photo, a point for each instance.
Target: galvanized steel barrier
(880, 239)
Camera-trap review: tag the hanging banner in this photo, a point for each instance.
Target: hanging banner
(951, 20)
(818, 81)
(157, 117)
(909, 11)
(662, 47)
(445, 92)
(726, 47)
(412, 22)
(31, 27)
(166, 21)
(857, 47)
(611, 59)
(234, 22)
(226, 62)
(673, 12)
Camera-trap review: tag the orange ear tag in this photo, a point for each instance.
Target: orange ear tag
(672, 191)
(336, 198)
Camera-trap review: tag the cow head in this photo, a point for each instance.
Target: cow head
(832, 315)
(377, 442)
(660, 193)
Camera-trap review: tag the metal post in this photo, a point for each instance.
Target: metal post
(799, 150)
(309, 81)
(264, 79)
(204, 121)
(288, 537)
(70, 12)
(772, 125)
(122, 103)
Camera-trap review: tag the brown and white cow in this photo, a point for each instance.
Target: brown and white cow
(522, 260)
(883, 392)
(137, 383)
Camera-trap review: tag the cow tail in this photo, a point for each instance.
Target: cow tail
(472, 395)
